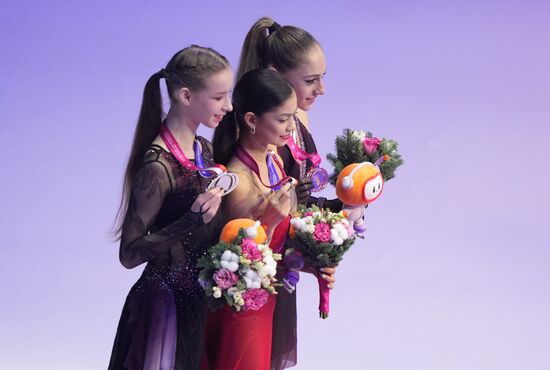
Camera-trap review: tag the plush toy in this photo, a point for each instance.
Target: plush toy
(359, 184)
(251, 228)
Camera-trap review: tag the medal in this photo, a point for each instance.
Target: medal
(221, 178)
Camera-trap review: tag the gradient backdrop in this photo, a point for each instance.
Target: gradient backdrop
(455, 271)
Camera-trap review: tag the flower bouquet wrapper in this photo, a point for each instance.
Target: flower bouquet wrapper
(322, 237)
(324, 298)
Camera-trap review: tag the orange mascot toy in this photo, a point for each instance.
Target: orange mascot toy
(359, 184)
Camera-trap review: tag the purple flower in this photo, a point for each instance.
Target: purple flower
(322, 232)
(203, 283)
(250, 250)
(225, 278)
(254, 299)
(293, 260)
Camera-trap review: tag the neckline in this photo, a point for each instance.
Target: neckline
(169, 153)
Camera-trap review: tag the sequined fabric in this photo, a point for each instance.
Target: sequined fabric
(163, 318)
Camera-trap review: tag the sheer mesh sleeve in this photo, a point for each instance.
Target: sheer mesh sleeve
(137, 244)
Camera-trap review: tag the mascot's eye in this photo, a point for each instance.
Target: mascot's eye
(373, 188)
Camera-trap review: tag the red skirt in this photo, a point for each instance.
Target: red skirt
(242, 340)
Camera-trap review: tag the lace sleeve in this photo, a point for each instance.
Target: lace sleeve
(137, 243)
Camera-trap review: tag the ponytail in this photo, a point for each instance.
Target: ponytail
(269, 44)
(188, 68)
(147, 129)
(253, 47)
(225, 137)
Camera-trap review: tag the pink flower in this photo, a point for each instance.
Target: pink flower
(250, 250)
(254, 299)
(308, 214)
(225, 278)
(322, 232)
(371, 144)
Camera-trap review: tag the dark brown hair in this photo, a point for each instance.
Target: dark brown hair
(268, 44)
(258, 91)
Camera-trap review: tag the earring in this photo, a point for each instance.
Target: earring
(253, 130)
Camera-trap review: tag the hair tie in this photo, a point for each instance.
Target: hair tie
(162, 73)
(274, 27)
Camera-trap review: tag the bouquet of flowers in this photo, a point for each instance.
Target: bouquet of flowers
(240, 270)
(321, 237)
(360, 146)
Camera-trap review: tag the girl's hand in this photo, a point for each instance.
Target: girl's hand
(326, 273)
(303, 190)
(278, 206)
(208, 204)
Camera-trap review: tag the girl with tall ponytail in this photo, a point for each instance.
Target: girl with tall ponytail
(298, 56)
(167, 214)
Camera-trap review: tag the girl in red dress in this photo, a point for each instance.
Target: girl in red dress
(264, 104)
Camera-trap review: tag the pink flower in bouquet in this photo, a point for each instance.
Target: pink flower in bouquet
(308, 214)
(322, 232)
(250, 250)
(225, 278)
(371, 144)
(254, 299)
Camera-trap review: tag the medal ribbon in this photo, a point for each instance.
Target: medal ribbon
(301, 155)
(176, 150)
(249, 162)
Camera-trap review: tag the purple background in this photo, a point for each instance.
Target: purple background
(454, 273)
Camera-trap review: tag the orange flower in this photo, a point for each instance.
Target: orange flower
(291, 232)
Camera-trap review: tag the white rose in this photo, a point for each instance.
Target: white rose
(336, 239)
(252, 279)
(341, 230)
(263, 247)
(359, 134)
(229, 260)
(270, 267)
(298, 223)
(217, 292)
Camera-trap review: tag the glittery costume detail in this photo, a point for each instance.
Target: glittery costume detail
(162, 322)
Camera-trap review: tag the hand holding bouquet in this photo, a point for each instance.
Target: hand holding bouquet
(240, 270)
(322, 237)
